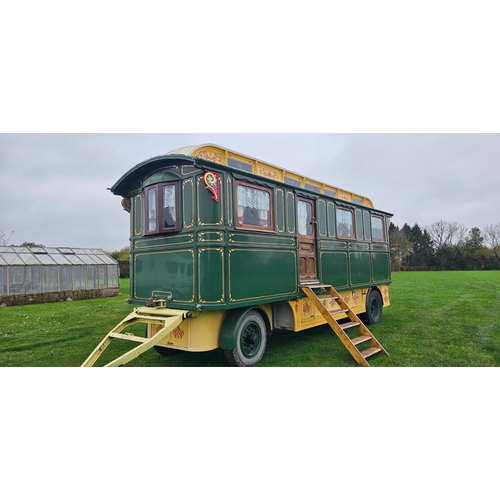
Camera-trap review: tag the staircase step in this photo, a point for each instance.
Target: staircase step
(314, 285)
(326, 299)
(370, 351)
(351, 324)
(358, 340)
(338, 311)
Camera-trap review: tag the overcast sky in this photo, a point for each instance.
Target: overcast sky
(54, 186)
(364, 67)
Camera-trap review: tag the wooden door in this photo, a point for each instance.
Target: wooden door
(306, 232)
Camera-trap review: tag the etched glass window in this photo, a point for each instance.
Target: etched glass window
(254, 207)
(377, 228)
(161, 208)
(169, 207)
(304, 218)
(345, 225)
(151, 199)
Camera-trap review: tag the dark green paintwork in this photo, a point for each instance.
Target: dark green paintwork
(211, 264)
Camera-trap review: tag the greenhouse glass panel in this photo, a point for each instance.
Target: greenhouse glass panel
(91, 277)
(45, 259)
(73, 259)
(112, 276)
(107, 259)
(102, 276)
(79, 277)
(29, 259)
(12, 259)
(59, 258)
(87, 259)
(34, 279)
(50, 279)
(3, 281)
(17, 284)
(65, 282)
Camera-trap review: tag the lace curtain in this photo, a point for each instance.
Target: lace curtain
(253, 198)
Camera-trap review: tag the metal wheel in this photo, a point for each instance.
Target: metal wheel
(374, 306)
(251, 341)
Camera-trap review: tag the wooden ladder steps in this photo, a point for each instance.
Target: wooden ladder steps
(351, 324)
(370, 351)
(358, 340)
(364, 335)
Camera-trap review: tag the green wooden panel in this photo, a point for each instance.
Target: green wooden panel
(164, 241)
(253, 239)
(360, 268)
(359, 246)
(333, 245)
(331, 218)
(168, 271)
(381, 266)
(229, 201)
(211, 237)
(359, 224)
(261, 274)
(290, 212)
(321, 218)
(333, 268)
(209, 211)
(137, 215)
(279, 211)
(211, 275)
(188, 203)
(367, 225)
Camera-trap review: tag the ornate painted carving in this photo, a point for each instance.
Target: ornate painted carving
(211, 180)
(210, 155)
(178, 333)
(267, 173)
(126, 204)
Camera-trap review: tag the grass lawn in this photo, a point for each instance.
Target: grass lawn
(436, 319)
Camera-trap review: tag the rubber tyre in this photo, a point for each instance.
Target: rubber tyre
(251, 339)
(374, 307)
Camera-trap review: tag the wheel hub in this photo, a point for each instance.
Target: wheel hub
(251, 339)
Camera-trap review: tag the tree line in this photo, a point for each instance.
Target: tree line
(444, 246)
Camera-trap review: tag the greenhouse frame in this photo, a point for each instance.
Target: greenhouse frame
(41, 274)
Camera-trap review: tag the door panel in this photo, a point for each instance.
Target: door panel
(306, 231)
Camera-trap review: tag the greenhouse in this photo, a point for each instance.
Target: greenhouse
(39, 274)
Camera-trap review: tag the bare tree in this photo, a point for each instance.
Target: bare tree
(400, 247)
(4, 240)
(492, 238)
(447, 233)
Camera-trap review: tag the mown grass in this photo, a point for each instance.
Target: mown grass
(436, 319)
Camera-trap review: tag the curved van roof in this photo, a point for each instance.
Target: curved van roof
(223, 156)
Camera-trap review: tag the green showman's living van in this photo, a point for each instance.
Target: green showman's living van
(226, 248)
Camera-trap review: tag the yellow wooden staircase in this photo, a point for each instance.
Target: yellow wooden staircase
(341, 329)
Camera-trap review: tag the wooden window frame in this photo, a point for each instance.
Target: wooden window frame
(252, 227)
(158, 189)
(384, 239)
(353, 219)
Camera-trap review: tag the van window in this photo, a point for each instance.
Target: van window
(345, 223)
(161, 208)
(254, 207)
(377, 228)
